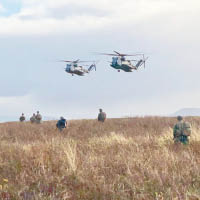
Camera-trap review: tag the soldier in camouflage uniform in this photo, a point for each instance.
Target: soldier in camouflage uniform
(38, 118)
(33, 119)
(22, 118)
(61, 124)
(101, 116)
(181, 131)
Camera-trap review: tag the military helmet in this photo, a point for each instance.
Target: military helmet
(179, 118)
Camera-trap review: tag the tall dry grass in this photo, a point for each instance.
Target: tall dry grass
(121, 159)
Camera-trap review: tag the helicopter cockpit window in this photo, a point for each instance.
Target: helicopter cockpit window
(119, 61)
(68, 67)
(114, 60)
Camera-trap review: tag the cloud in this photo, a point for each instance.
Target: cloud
(115, 7)
(61, 17)
(2, 9)
(17, 27)
(61, 9)
(15, 104)
(51, 30)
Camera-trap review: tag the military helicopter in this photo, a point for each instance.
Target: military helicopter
(74, 68)
(119, 61)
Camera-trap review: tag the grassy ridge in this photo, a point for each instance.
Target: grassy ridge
(132, 158)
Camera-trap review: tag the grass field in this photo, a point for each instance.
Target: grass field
(121, 159)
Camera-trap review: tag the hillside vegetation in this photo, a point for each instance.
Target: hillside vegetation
(121, 159)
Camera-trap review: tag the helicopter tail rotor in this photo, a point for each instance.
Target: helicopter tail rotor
(145, 61)
(142, 62)
(93, 66)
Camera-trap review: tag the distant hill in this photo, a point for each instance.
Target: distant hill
(188, 112)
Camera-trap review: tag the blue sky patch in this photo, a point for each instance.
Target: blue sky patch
(11, 7)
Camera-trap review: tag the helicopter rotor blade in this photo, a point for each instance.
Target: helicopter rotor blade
(144, 60)
(107, 54)
(95, 67)
(121, 54)
(96, 62)
(85, 61)
(65, 61)
(131, 54)
(118, 53)
(85, 65)
(76, 61)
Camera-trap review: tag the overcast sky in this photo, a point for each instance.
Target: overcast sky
(34, 34)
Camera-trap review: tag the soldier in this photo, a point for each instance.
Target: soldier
(38, 118)
(101, 116)
(181, 131)
(33, 119)
(61, 124)
(22, 118)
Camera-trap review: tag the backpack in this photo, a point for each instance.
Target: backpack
(182, 129)
(61, 123)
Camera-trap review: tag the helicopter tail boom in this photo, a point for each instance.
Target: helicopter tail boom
(93, 66)
(141, 62)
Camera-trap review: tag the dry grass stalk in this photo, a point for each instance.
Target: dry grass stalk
(130, 158)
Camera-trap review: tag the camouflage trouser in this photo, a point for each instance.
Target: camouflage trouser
(37, 121)
(61, 128)
(181, 139)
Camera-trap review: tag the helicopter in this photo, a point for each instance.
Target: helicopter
(119, 61)
(74, 68)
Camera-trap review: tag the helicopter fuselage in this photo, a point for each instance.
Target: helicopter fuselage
(79, 70)
(75, 69)
(122, 64)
